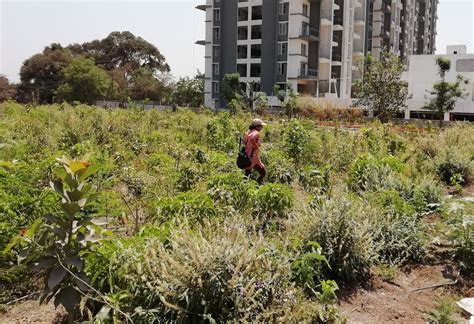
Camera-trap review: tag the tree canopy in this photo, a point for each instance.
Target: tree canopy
(444, 95)
(131, 68)
(7, 90)
(381, 88)
(83, 81)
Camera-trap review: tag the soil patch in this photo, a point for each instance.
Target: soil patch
(31, 312)
(396, 300)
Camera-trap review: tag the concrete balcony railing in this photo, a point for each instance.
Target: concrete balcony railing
(309, 34)
(308, 74)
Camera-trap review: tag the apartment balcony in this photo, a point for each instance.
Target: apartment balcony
(386, 7)
(308, 74)
(335, 40)
(309, 34)
(201, 7)
(338, 23)
(336, 59)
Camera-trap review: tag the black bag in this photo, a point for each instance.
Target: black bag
(243, 161)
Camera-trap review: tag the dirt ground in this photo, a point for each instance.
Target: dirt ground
(395, 301)
(31, 312)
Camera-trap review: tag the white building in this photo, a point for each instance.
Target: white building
(423, 72)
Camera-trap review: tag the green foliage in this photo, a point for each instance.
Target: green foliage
(189, 206)
(61, 240)
(83, 82)
(307, 267)
(444, 95)
(296, 141)
(368, 173)
(280, 168)
(273, 200)
(232, 190)
(189, 92)
(220, 134)
(462, 235)
(454, 170)
(346, 239)
(381, 88)
(230, 87)
(446, 311)
(315, 181)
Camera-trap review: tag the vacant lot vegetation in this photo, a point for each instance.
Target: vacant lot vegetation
(185, 237)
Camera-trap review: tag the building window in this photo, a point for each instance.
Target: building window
(242, 70)
(243, 14)
(215, 68)
(304, 49)
(217, 14)
(281, 68)
(283, 28)
(257, 32)
(256, 51)
(255, 70)
(305, 10)
(217, 33)
(243, 33)
(283, 8)
(282, 48)
(257, 13)
(215, 87)
(216, 51)
(242, 51)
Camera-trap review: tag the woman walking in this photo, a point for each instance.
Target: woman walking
(252, 149)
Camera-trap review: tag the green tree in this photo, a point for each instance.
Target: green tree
(288, 98)
(123, 50)
(381, 88)
(40, 75)
(144, 85)
(7, 90)
(445, 94)
(230, 87)
(189, 92)
(83, 81)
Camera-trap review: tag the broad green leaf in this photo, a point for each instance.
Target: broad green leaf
(69, 298)
(75, 195)
(88, 172)
(84, 283)
(58, 187)
(76, 166)
(60, 173)
(71, 182)
(55, 277)
(75, 261)
(44, 263)
(71, 209)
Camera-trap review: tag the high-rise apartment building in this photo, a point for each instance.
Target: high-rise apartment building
(311, 44)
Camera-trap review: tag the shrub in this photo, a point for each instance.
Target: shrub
(346, 238)
(454, 170)
(370, 174)
(296, 141)
(188, 206)
(400, 238)
(280, 168)
(273, 200)
(232, 190)
(225, 276)
(315, 181)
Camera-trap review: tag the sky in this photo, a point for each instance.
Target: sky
(26, 27)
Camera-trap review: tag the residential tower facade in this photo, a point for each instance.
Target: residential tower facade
(311, 44)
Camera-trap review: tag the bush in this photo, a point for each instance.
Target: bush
(315, 181)
(188, 206)
(223, 277)
(368, 173)
(280, 168)
(273, 200)
(232, 190)
(454, 170)
(346, 238)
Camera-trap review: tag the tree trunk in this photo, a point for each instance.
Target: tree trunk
(441, 117)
